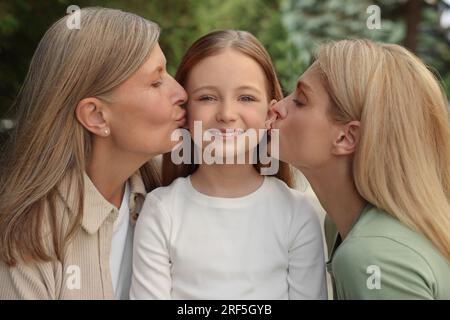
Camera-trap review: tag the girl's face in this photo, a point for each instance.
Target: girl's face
(306, 131)
(145, 109)
(228, 92)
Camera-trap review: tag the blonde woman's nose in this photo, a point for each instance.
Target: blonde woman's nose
(271, 115)
(279, 109)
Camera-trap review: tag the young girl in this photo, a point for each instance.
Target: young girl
(374, 142)
(78, 166)
(224, 231)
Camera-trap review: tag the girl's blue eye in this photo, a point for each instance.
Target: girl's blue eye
(247, 98)
(206, 98)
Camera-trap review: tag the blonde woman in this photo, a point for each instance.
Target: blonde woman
(369, 127)
(96, 106)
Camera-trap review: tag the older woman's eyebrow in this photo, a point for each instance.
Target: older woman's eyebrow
(154, 71)
(158, 68)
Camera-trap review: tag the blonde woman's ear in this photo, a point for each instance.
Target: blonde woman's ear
(91, 116)
(347, 138)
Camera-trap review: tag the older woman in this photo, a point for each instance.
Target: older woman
(96, 107)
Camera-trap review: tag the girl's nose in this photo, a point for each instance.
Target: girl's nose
(226, 113)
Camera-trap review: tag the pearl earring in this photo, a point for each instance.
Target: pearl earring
(106, 131)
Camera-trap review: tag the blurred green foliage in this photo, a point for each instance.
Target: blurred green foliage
(290, 29)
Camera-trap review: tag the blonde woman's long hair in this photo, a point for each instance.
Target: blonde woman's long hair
(402, 163)
(49, 144)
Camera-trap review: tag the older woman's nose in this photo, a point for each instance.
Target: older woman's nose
(179, 95)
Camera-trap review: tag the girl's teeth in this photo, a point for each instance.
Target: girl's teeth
(227, 133)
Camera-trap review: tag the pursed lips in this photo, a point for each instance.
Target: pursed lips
(182, 116)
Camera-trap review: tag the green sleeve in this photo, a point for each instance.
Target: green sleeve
(381, 268)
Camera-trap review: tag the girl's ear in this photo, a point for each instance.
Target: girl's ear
(272, 103)
(347, 139)
(271, 114)
(92, 115)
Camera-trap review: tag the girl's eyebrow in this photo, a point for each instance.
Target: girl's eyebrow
(204, 88)
(249, 87)
(245, 87)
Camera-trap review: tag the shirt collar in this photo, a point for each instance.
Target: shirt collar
(337, 237)
(96, 209)
(137, 196)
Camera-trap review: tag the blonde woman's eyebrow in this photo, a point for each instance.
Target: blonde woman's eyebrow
(301, 85)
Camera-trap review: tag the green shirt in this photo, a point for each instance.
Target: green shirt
(382, 258)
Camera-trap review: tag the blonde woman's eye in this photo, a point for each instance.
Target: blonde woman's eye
(298, 103)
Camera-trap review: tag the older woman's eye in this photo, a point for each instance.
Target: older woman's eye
(156, 84)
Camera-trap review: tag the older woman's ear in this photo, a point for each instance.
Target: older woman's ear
(90, 113)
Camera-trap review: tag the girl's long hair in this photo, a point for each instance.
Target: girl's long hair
(402, 164)
(48, 144)
(211, 44)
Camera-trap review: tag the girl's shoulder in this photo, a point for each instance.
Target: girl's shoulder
(279, 189)
(291, 200)
(170, 191)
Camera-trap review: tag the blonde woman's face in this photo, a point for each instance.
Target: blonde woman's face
(145, 109)
(305, 128)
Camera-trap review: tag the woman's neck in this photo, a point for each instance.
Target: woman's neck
(109, 170)
(226, 180)
(337, 193)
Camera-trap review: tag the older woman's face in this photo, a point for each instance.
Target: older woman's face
(305, 127)
(146, 108)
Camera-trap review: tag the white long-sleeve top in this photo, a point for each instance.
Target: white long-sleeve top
(266, 245)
